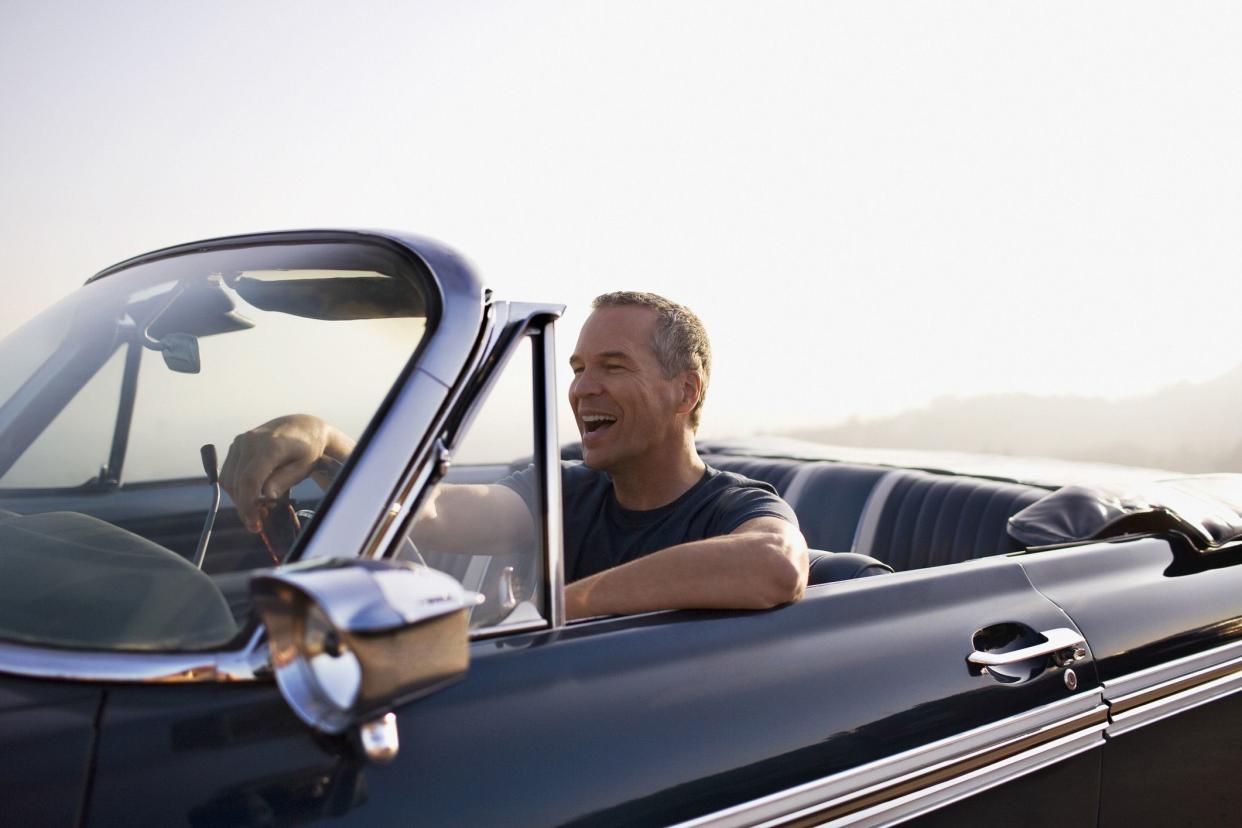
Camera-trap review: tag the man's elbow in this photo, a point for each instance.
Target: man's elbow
(784, 571)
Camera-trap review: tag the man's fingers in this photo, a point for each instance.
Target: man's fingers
(230, 475)
(285, 478)
(250, 481)
(229, 469)
(267, 461)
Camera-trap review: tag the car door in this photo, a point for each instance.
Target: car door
(1164, 621)
(857, 703)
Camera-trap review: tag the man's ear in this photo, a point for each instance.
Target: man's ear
(691, 391)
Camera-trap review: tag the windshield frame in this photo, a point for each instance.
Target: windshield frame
(85, 359)
(453, 295)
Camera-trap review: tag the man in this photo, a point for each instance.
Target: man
(648, 525)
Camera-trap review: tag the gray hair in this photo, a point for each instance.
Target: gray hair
(680, 340)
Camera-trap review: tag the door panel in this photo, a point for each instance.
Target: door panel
(643, 720)
(1178, 771)
(207, 754)
(673, 716)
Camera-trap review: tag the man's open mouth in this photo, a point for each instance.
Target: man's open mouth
(591, 423)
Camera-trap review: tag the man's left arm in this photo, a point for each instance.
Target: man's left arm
(760, 564)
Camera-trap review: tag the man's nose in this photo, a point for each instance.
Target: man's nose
(583, 385)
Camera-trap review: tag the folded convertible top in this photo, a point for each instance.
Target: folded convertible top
(1206, 509)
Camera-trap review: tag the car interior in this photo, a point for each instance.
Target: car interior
(901, 518)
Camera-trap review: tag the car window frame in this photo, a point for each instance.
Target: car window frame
(508, 325)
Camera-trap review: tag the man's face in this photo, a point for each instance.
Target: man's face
(623, 403)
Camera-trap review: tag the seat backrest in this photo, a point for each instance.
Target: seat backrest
(777, 472)
(827, 497)
(916, 519)
(905, 518)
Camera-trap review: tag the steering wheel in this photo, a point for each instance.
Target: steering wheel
(279, 526)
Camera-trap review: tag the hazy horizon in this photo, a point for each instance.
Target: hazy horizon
(1186, 427)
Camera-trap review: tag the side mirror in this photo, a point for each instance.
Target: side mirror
(351, 639)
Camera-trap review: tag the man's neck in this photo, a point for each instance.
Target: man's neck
(658, 478)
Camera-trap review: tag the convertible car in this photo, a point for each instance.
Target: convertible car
(983, 639)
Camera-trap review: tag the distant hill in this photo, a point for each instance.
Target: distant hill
(1192, 427)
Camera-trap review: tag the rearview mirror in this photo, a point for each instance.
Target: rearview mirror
(180, 351)
(351, 639)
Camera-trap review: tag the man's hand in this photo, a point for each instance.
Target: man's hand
(271, 459)
(761, 564)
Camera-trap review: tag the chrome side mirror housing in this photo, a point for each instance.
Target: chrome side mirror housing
(351, 639)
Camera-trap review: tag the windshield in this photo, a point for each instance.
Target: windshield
(108, 400)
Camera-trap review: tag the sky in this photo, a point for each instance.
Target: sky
(870, 204)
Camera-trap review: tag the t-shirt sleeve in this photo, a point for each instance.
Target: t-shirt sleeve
(525, 482)
(745, 503)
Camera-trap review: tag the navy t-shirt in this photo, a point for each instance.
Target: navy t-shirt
(600, 534)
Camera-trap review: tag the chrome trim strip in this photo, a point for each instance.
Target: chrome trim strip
(977, 781)
(1162, 708)
(1131, 684)
(484, 633)
(138, 667)
(1162, 691)
(925, 777)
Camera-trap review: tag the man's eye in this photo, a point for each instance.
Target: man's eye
(577, 369)
(614, 368)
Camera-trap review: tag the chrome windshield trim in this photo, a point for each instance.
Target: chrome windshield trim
(404, 503)
(549, 450)
(367, 506)
(897, 787)
(246, 665)
(365, 503)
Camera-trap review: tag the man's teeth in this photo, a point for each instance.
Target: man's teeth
(594, 422)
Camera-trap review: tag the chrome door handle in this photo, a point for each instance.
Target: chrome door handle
(1062, 638)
